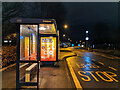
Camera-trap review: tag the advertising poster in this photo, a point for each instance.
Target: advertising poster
(48, 48)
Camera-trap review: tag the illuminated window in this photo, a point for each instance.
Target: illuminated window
(47, 29)
(28, 42)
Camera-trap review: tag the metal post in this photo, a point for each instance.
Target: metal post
(87, 41)
(18, 57)
(38, 56)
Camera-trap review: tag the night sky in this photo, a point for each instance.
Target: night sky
(100, 19)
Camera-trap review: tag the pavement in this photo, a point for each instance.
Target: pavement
(50, 77)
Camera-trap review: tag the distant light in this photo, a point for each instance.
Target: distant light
(5, 41)
(42, 28)
(87, 38)
(21, 37)
(63, 35)
(93, 46)
(78, 44)
(65, 26)
(82, 45)
(72, 45)
(80, 41)
(68, 38)
(86, 31)
(10, 41)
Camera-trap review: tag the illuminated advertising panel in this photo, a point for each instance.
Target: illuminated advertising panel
(48, 49)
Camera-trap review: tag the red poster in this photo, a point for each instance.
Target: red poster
(48, 49)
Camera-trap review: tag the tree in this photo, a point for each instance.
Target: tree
(11, 10)
(47, 10)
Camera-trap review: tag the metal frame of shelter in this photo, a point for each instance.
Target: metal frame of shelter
(22, 21)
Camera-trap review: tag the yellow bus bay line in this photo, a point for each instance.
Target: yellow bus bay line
(7, 67)
(75, 79)
(101, 63)
(113, 68)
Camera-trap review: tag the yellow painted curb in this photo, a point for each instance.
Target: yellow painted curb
(7, 67)
(75, 79)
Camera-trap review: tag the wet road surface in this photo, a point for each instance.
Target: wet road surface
(95, 71)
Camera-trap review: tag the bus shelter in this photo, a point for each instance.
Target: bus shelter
(37, 41)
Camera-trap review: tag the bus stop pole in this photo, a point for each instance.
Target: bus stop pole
(18, 57)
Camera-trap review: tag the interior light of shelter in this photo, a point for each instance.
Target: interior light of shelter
(42, 28)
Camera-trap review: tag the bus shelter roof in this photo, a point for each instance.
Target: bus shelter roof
(32, 21)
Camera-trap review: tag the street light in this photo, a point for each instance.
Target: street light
(63, 35)
(68, 38)
(65, 26)
(87, 38)
(86, 32)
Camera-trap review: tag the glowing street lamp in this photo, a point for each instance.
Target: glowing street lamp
(87, 38)
(86, 32)
(65, 26)
(63, 35)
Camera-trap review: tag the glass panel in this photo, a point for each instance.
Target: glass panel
(28, 42)
(47, 29)
(48, 48)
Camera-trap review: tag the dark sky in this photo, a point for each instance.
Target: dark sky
(103, 16)
(99, 18)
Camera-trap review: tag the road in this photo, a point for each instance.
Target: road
(95, 70)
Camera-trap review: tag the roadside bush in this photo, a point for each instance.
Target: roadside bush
(8, 55)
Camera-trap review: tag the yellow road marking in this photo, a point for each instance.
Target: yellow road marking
(77, 65)
(75, 79)
(85, 77)
(7, 67)
(93, 59)
(113, 68)
(113, 75)
(101, 63)
(93, 76)
(107, 80)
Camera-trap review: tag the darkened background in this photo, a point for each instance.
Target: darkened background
(99, 18)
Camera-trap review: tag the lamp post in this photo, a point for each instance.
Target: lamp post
(87, 39)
